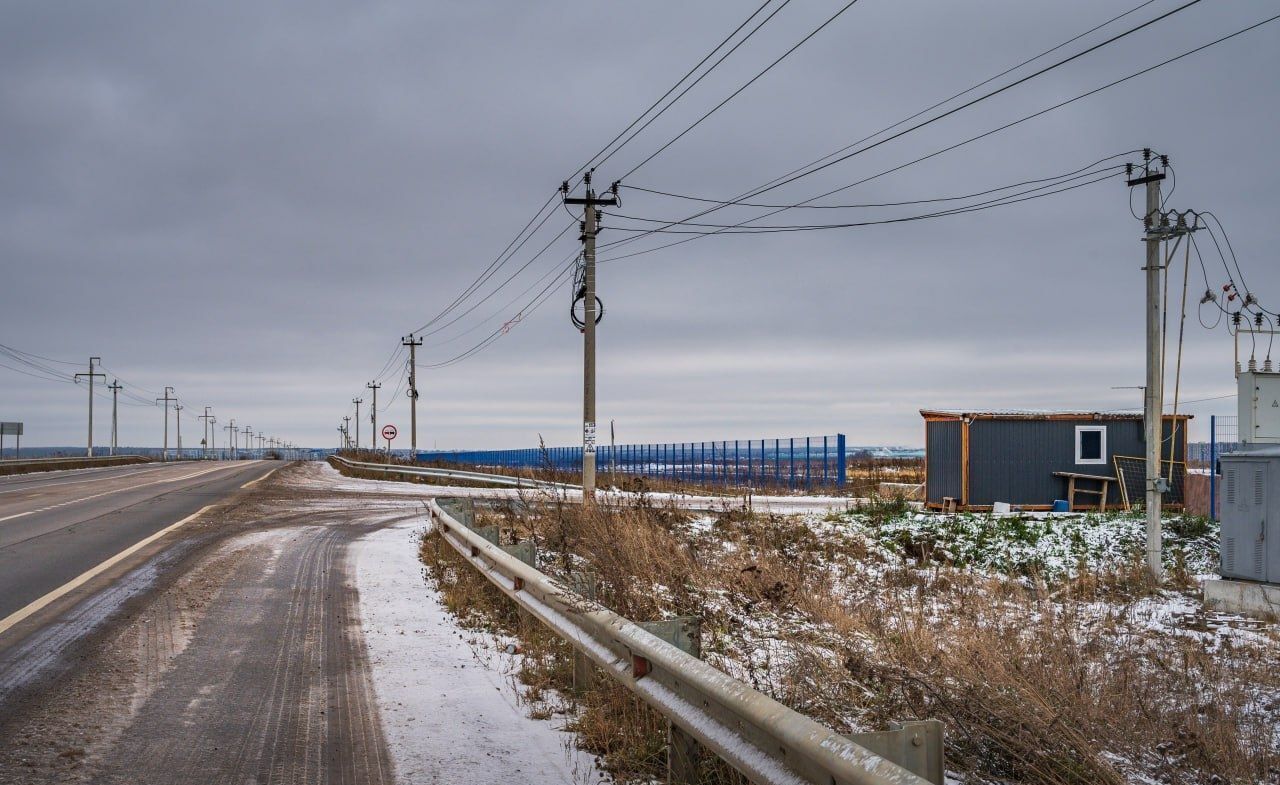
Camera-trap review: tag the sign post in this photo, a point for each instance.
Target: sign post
(389, 432)
(11, 429)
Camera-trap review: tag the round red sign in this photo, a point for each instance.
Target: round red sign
(389, 432)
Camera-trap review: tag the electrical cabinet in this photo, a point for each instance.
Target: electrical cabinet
(1258, 401)
(1251, 515)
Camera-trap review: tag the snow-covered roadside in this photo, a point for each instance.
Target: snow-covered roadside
(449, 709)
(330, 478)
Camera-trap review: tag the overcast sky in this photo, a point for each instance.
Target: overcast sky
(252, 202)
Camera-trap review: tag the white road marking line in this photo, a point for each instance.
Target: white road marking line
(84, 577)
(114, 490)
(94, 478)
(251, 483)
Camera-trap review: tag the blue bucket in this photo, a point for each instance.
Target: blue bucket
(1060, 505)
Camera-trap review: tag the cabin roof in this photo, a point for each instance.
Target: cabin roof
(1035, 414)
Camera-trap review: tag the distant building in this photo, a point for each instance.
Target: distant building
(1030, 459)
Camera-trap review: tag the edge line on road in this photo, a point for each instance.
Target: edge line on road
(34, 606)
(114, 490)
(251, 483)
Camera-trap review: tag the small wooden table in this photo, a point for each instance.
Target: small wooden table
(1072, 490)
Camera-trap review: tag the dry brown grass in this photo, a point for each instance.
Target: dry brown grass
(1059, 685)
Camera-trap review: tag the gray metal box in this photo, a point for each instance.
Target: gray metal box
(1258, 403)
(1251, 515)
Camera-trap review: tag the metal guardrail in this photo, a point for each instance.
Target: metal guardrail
(9, 465)
(455, 474)
(767, 742)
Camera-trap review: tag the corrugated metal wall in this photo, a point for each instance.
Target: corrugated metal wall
(942, 455)
(1014, 460)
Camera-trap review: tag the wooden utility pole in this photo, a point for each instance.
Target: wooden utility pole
(590, 317)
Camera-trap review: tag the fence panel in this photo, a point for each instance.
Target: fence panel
(1224, 437)
(801, 463)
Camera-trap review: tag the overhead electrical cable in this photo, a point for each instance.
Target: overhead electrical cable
(813, 169)
(500, 286)
(498, 333)
(507, 252)
(985, 96)
(747, 84)
(963, 92)
(1047, 183)
(990, 132)
(863, 205)
(1004, 201)
(679, 82)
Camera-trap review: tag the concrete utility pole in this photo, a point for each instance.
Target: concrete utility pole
(177, 408)
(1153, 396)
(413, 392)
(208, 430)
(590, 227)
(357, 402)
(248, 440)
(115, 388)
(168, 392)
(91, 374)
(373, 415)
(230, 428)
(346, 430)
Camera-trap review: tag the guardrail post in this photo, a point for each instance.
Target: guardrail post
(683, 751)
(584, 585)
(524, 551)
(915, 746)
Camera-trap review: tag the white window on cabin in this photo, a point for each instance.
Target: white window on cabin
(1091, 444)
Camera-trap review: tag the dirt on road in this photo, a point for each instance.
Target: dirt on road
(238, 658)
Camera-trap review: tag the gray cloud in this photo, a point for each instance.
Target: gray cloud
(252, 203)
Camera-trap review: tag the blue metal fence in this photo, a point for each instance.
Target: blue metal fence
(799, 463)
(1224, 437)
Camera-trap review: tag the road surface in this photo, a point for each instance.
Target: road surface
(236, 647)
(56, 526)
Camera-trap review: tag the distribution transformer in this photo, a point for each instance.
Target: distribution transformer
(1258, 403)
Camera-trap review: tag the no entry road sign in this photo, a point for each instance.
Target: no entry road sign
(389, 432)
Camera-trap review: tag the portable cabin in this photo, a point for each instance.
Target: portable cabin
(1032, 459)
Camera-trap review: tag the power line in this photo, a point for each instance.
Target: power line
(681, 81)
(729, 230)
(1050, 182)
(498, 262)
(502, 285)
(988, 95)
(748, 83)
(812, 169)
(983, 135)
(963, 92)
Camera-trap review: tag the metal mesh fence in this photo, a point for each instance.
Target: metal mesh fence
(1224, 437)
(1132, 473)
(796, 463)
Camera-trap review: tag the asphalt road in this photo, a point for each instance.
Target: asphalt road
(229, 650)
(56, 526)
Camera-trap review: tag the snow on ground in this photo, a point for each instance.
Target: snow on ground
(449, 707)
(1050, 545)
(324, 476)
